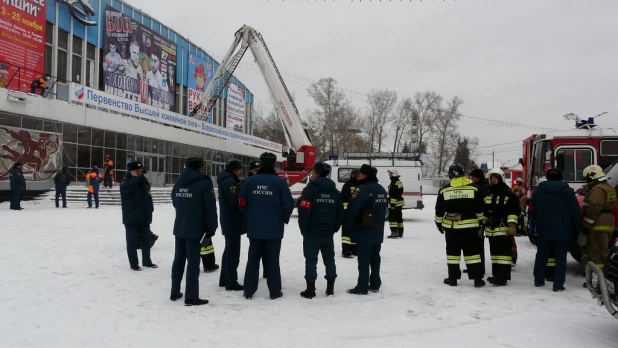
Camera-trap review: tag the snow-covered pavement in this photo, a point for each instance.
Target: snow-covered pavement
(65, 282)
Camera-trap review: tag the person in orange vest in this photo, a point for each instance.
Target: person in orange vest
(40, 84)
(93, 180)
(108, 172)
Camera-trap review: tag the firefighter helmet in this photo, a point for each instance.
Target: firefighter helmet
(497, 172)
(456, 170)
(594, 172)
(393, 171)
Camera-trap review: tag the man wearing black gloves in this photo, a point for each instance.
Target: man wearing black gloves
(320, 215)
(232, 224)
(267, 203)
(193, 197)
(137, 208)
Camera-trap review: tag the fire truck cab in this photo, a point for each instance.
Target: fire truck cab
(570, 151)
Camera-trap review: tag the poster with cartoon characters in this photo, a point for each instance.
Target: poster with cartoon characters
(199, 76)
(38, 152)
(138, 64)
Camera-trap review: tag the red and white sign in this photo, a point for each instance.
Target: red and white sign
(22, 42)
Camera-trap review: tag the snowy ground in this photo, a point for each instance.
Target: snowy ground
(65, 282)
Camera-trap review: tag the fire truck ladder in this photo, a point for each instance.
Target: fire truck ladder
(226, 78)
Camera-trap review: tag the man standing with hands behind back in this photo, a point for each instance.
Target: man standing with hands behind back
(193, 196)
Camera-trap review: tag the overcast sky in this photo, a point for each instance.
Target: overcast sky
(524, 61)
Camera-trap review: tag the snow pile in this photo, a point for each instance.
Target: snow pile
(66, 282)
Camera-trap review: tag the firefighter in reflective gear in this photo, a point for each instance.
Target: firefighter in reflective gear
(208, 257)
(348, 248)
(500, 222)
(459, 211)
(395, 204)
(598, 219)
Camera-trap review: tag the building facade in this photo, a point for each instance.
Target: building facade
(122, 84)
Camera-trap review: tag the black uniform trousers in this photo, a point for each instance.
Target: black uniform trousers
(230, 261)
(63, 193)
(107, 181)
(348, 247)
(541, 263)
(208, 256)
(133, 232)
(465, 239)
(16, 199)
(395, 219)
(96, 199)
(269, 250)
(186, 250)
(368, 259)
(313, 245)
(500, 248)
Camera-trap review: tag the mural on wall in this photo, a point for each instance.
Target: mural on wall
(38, 152)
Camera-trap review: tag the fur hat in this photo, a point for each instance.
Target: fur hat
(233, 165)
(323, 169)
(553, 174)
(194, 163)
(368, 170)
(477, 173)
(268, 159)
(254, 165)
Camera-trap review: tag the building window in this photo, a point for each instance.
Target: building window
(10, 120)
(83, 135)
(110, 139)
(76, 68)
(63, 65)
(97, 137)
(69, 133)
(48, 59)
(32, 123)
(83, 156)
(77, 45)
(49, 33)
(63, 39)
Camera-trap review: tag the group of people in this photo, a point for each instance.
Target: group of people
(259, 206)
(468, 211)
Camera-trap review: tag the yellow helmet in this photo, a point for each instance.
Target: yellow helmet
(594, 172)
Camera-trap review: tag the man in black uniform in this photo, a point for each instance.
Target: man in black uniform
(320, 214)
(478, 178)
(395, 204)
(193, 197)
(18, 186)
(254, 167)
(348, 248)
(267, 203)
(366, 215)
(232, 224)
(459, 212)
(61, 181)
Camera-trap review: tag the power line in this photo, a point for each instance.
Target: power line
(493, 145)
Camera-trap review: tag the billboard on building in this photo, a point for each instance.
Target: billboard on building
(138, 64)
(199, 76)
(235, 118)
(38, 153)
(22, 43)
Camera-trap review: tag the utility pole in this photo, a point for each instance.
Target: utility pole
(493, 162)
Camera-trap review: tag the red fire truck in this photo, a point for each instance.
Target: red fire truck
(570, 151)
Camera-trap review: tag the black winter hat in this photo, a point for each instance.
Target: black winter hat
(134, 166)
(254, 164)
(477, 173)
(268, 159)
(553, 174)
(323, 169)
(194, 163)
(233, 165)
(368, 170)
(65, 169)
(17, 164)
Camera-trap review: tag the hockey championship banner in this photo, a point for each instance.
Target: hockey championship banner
(235, 108)
(22, 42)
(138, 64)
(199, 76)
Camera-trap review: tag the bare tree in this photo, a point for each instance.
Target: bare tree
(445, 135)
(381, 105)
(426, 107)
(268, 127)
(401, 120)
(331, 104)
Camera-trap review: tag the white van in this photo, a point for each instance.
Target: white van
(410, 175)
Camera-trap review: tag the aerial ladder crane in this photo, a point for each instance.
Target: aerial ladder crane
(298, 162)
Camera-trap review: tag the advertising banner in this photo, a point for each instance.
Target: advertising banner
(138, 64)
(200, 75)
(235, 108)
(38, 153)
(90, 96)
(22, 42)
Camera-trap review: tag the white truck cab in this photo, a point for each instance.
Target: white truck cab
(410, 174)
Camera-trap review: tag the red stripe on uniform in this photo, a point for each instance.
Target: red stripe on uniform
(305, 204)
(242, 201)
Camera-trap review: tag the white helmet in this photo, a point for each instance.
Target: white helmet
(496, 171)
(393, 171)
(594, 172)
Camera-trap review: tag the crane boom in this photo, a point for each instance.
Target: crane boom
(247, 37)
